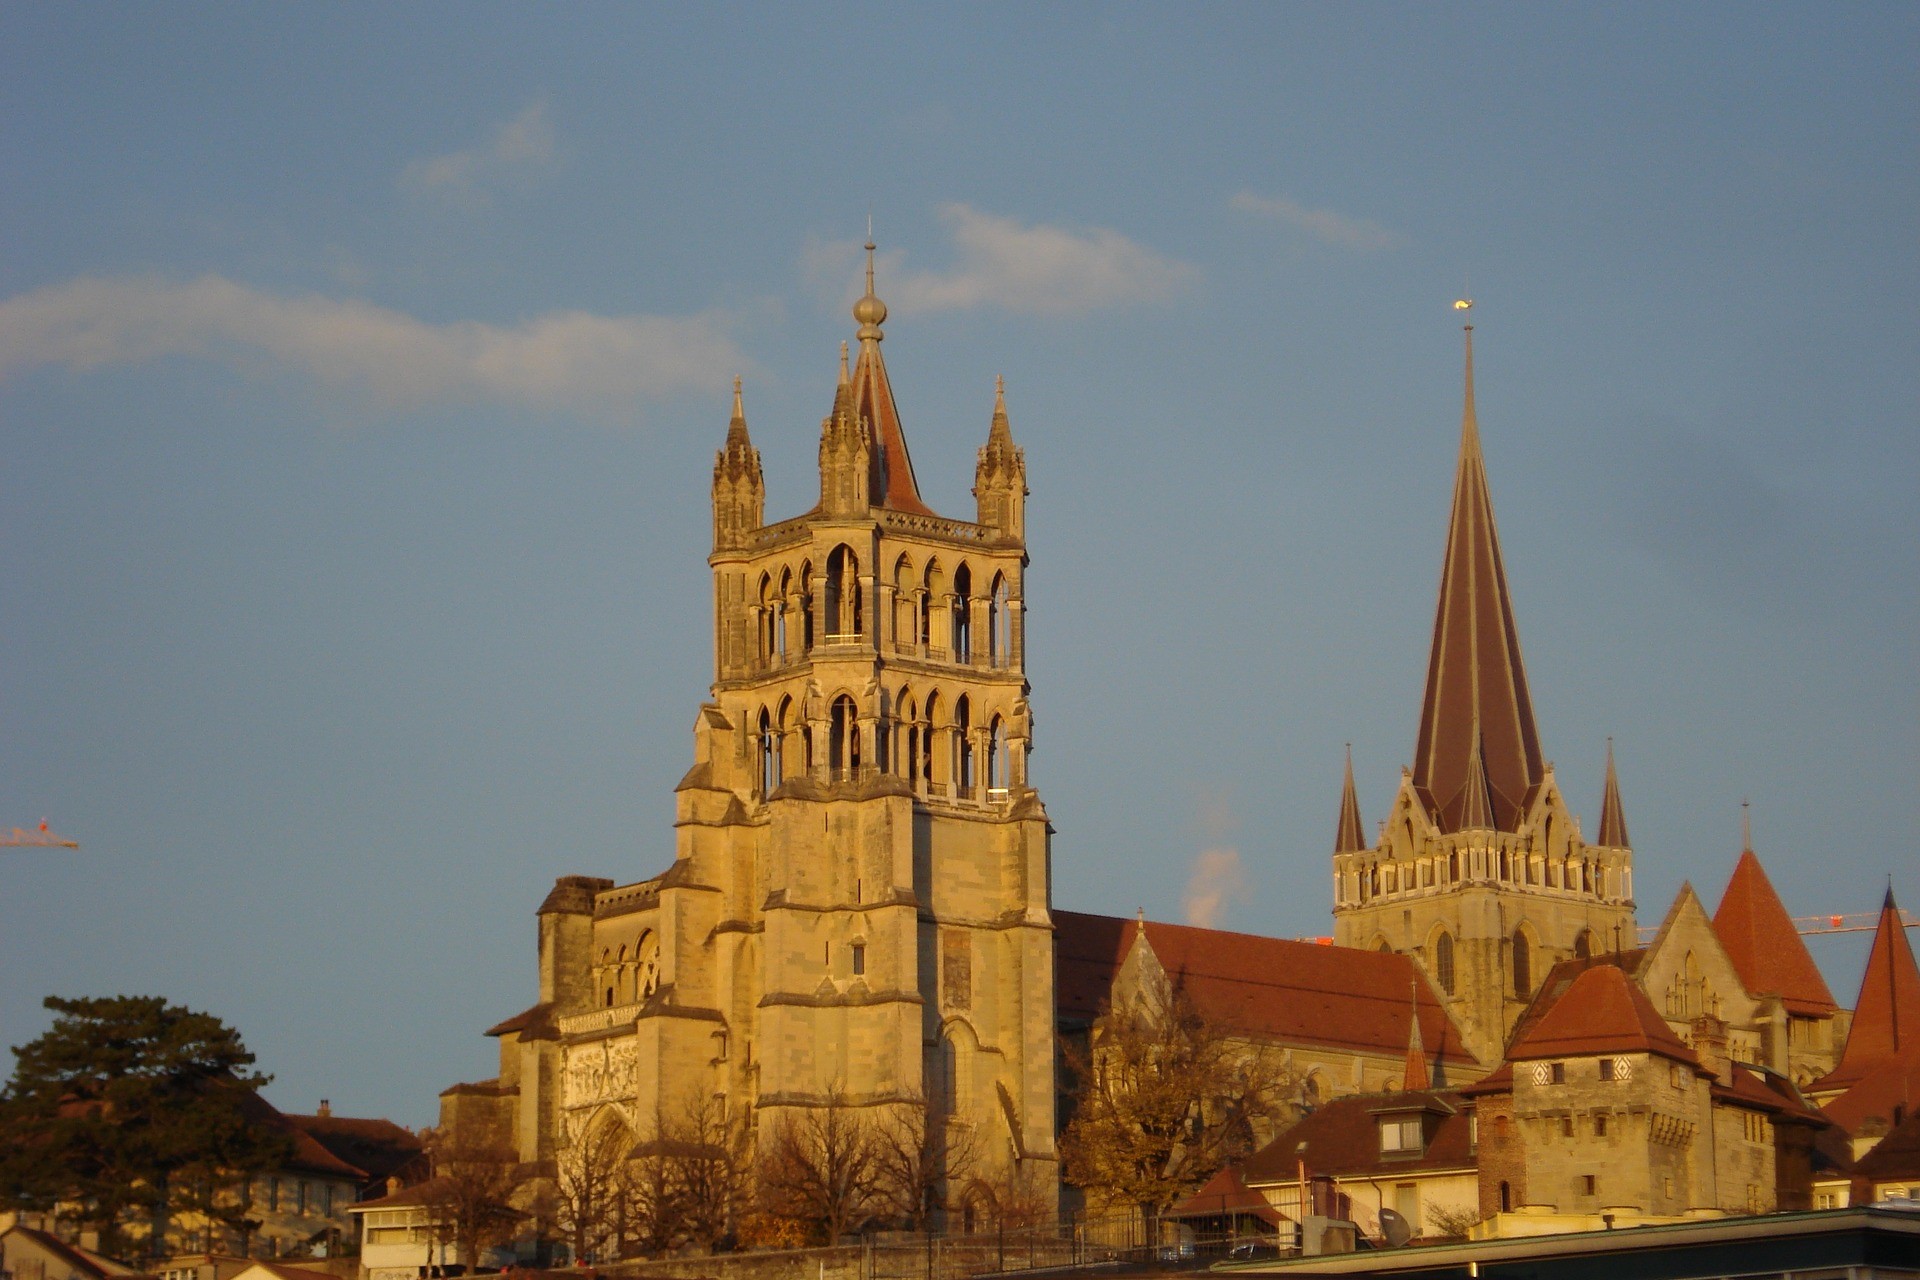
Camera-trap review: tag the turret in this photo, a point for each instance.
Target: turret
(739, 491)
(1000, 476)
(846, 454)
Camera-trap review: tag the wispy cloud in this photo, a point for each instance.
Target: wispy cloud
(1322, 224)
(521, 146)
(1215, 881)
(1001, 262)
(570, 360)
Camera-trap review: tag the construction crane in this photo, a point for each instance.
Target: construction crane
(1861, 922)
(43, 838)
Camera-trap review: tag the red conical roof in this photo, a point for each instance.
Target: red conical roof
(1416, 1077)
(1613, 816)
(892, 481)
(1350, 837)
(1886, 1020)
(1760, 939)
(1603, 1011)
(1476, 682)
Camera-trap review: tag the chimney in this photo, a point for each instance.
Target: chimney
(393, 1183)
(1710, 1042)
(326, 1109)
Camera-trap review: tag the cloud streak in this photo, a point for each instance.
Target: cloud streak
(1035, 268)
(568, 360)
(1358, 234)
(1215, 881)
(520, 146)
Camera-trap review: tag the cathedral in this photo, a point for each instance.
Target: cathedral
(857, 909)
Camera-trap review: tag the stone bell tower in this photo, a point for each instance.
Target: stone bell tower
(861, 802)
(1480, 870)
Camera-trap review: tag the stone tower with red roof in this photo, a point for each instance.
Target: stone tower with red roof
(857, 911)
(1480, 871)
(1799, 1023)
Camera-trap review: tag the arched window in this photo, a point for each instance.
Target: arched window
(769, 751)
(963, 614)
(843, 594)
(843, 742)
(806, 607)
(1583, 944)
(1443, 961)
(780, 607)
(1506, 1198)
(769, 615)
(935, 760)
(963, 741)
(1453, 866)
(999, 626)
(1522, 964)
(997, 755)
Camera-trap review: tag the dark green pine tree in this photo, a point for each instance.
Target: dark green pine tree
(129, 1110)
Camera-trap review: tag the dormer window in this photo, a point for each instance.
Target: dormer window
(1400, 1137)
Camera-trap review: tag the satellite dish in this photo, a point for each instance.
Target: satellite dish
(1395, 1228)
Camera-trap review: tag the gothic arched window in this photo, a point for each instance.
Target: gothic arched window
(1522, 964)
(962, 614)
(1443, 962)
(1583, 944)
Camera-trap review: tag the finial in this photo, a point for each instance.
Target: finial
(845, 377)
(999, 393)
(738, 410)
(870, 312)
(1746, 826)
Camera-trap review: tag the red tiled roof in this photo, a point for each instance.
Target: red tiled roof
(378, 1148)
(1896, 1156)
(1268, 988)
(894, 484)
(1343, 1138)
(1602, 1011)
(1893, 1084)
(308, 1153)
(1762, 1090)
(82, 1262)
(1561, 976)
(1765, 948)
(1226, 1192)
(1476, 692)
(1886, 1020)
(284, 1272)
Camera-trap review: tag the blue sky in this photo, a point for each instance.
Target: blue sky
(361, 368)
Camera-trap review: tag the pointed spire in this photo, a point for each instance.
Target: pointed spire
(1347, 838)
(1416, 1076)
(1766, 950)
(1000, 475)
(1613, 817)
(737, 429)
(1476, 695)
(1886, 1018)
(892, 483)
(1000, 432)
(1476, 800)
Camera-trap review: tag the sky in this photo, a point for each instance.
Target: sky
(361, 369)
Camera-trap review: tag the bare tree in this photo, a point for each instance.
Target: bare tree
(1162, 1099)
(590, 1191)
(469, 1196)
(920, 1159)
(822, 1169)
(684, 1187)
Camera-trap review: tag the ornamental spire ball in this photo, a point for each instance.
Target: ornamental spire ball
(870, 311)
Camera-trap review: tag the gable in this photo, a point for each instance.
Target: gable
(1664, 973)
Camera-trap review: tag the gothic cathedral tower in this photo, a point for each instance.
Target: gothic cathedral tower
(1480, 872)
(860, 795)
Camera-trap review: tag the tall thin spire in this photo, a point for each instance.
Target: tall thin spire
(1416, 1077)
(1886, 1018)
(1476, 695)
(892, 483)
(1348, 837)
(1476, 797)
(737, 428)
(1613, 816)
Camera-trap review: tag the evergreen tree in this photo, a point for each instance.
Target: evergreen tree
(128, 1109)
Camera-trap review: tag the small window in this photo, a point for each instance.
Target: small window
(1587, 1184)
(1600, 1124)
(1566, 1126)
(859, 959)
(1678, 1075)
(1559, 1073)
(1606, 1068)
(1400, 1136)
(273, 1194)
